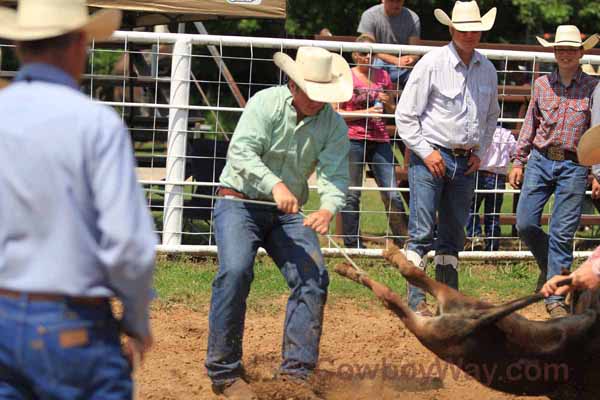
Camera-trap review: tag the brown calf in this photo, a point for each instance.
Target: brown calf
(501, 349)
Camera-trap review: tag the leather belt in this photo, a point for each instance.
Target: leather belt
(90, 301)
(557, 153)
(457, 152)
(224, 192)
(460, 152)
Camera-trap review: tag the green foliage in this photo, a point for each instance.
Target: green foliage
(518, 21)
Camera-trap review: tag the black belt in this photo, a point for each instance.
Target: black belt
(90, 301)
(557, 153)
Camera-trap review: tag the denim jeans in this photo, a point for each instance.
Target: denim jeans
(492, 206)
(449, 198)
(567, 181)
(380, 158)
(397, 74)
(240, 229)
(58, 350)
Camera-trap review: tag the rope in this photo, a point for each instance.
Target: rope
(263, 203)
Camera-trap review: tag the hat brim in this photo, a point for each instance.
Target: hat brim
(589, 69)
(588, 149)
(487, 21)
(589, 43)
(337, 91)
(98, 27)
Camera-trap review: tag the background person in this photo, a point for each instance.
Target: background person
(75, 228)
(392, 23)
(558, 114)
(284, 134)
(491, 176)
(370, 143)
(447, 116)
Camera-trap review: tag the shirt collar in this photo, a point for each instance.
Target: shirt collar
(456, 60)
(45, 73)
(555, 77)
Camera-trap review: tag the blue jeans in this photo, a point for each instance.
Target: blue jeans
(449, 198)
(59, 350)
(567, 181)
(397, 74)
(380, 158)
(492, 206)
(240, 230)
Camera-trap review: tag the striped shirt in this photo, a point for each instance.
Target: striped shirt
(449, 104)
(557, 115)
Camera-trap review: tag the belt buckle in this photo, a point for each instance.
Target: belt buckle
(555, 153)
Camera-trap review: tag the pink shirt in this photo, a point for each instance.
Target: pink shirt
(363, 98)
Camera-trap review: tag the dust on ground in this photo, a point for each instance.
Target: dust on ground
(366, 353)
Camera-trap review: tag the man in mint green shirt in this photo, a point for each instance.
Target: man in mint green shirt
(284, 135)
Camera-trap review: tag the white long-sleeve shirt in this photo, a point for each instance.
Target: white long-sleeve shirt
(449, 104)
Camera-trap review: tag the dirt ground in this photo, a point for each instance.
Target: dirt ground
(366, 353)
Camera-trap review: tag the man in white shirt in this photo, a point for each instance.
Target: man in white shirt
(447, 116)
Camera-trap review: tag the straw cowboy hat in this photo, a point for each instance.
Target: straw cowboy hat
(589, 69)
(466, 17)
(44, 19)
(569, 35)
(322, 75)
(4, 83)
(588, 149)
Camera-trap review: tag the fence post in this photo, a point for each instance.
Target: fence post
(178, 124)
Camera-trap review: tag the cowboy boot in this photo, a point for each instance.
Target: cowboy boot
(446, 270)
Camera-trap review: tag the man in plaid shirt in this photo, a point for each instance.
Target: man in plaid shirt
(558, 115)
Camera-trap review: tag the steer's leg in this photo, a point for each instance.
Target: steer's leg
(389, 298)
(447, 297)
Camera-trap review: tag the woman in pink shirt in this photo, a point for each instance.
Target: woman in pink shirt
(370, 144)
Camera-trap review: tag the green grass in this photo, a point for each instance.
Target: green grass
(188, 282)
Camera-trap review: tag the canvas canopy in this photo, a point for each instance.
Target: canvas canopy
(156, 12)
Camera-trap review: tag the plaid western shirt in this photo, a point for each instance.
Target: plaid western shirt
(557, 115)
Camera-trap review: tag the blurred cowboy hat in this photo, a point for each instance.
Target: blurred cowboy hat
(589, 69)
(588, 149)
(466, 17)
(4, 83)
(322, 75)
(569, 35)
(44, 19)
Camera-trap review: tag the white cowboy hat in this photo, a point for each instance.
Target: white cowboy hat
(588, 149)
(466, 17)
(589, 69)
(569, 35)
(322, 75)
(44, 19)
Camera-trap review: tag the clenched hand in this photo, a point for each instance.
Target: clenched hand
(319, 221)
(286, 201)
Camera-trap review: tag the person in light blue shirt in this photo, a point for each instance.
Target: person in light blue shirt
(75, 230)
(446, 116)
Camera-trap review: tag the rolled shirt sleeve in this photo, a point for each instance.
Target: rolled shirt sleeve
(127, 239)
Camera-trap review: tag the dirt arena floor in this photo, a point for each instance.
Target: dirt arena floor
(366, 353)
